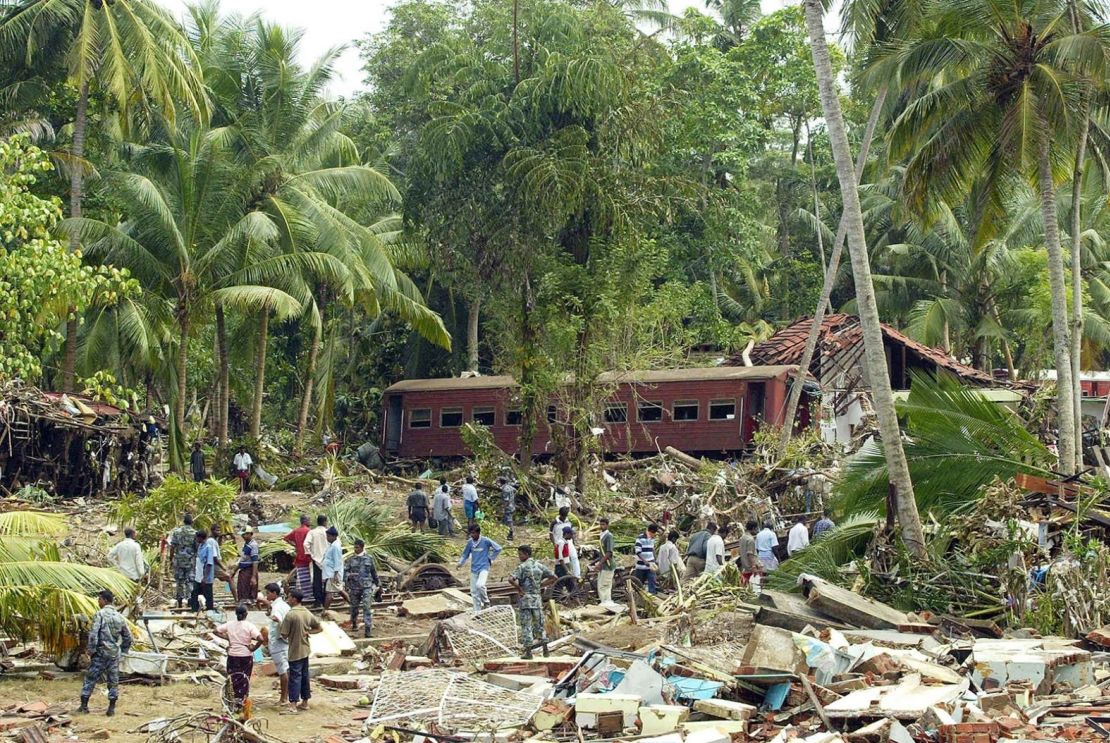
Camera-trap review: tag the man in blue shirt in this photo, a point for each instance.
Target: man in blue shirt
(481, 551)
(204, 572)
(646, 568)
(331, 569)
(824, 524)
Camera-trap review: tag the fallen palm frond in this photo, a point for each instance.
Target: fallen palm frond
(41, 597)
(959, 442)
(37, 523)
(707, 591)
(356, 517)
(825, 556)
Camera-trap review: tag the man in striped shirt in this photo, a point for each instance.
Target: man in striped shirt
(645, 557)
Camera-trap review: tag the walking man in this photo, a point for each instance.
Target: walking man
(695, 553)
(418, 507)
(108, 637)
(242, 462)
(798, 538)
(470, 500)
(183, 555)
(824, 524)
(441, 509)
(606, 565)
(528, 579)
(361, 575)
(481, 551)
(295, 628)
(331, 568)
(765, 542)
(302, 561)
(316, 544)
(508, 503)
(196, 464)
(749, 560)
(204, 572)
(715, 549)
(279, 648)
(645, 558)
(127, 556)
(246, 583)
(671, 567)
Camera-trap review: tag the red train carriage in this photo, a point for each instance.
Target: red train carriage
(700, 411)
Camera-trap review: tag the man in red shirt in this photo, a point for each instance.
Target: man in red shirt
(302, 563)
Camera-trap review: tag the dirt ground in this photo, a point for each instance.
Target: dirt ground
(331, 711)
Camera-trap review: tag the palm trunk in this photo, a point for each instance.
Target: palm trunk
(309, 383)
(947, 339)
(874, 353)
(259, 374)
(76, 183)
(1058, 286)
(1077, 279)
(182, 368)
(472, 335)
(529, 402)
(224, 399)
(827, 288)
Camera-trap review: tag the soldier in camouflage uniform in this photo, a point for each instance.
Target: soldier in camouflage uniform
(183, 554)
(108, 638)
(361, 578)
(528, 579)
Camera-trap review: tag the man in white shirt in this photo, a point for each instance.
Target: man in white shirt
(798, 538)
(470, 500)
(561, 522)
(127, 556)
(279, 648)
(669, 557)
(316, 545)
(243, 464)
(715, 549)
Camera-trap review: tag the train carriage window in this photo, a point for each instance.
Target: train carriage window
(649, 412)
(420, 418)
(550, 413)
(685, 410)
(722, 410)
(616, 412)
(483, 416)
(450, 418)
(514, 418)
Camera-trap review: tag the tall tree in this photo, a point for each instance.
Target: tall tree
(874, 352)
(996, 85)
(126, 50)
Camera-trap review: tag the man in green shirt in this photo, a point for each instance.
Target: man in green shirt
(606, 565)
(298, 624)
(528, 579)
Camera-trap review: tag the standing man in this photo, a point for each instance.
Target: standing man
(242, 462)
(108, 637)
(418, 507)
(508, 503)
(749, 560)
(204, 572)
(246, 583)
(765, 542)
(606, 565)
(481, 551)
(824, 524)
(183, 555)
(695, 553)
(570, 553)
(361, 576)
(645, 558)
(243, 638)
(316, 544)
(441, 509)
(798, 538)
(528, 579)
(331, 568)
(127, 556)
(671, 567)
(470, 500)
(562, 520)
(302, 562)
(295, 628)
(715, 549)
(196, 464)
(279, 648)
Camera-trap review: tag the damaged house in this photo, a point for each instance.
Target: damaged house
(71, 445)
(839, 368)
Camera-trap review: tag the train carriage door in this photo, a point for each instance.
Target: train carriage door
(754, 413)
(393, 423)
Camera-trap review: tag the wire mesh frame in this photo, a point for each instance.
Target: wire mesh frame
(398, 691)
(478, 635)
(476, 705)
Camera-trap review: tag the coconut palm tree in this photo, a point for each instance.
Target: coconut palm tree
(130, 51)
(997, 85)
(43, 597)
(874, 353)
